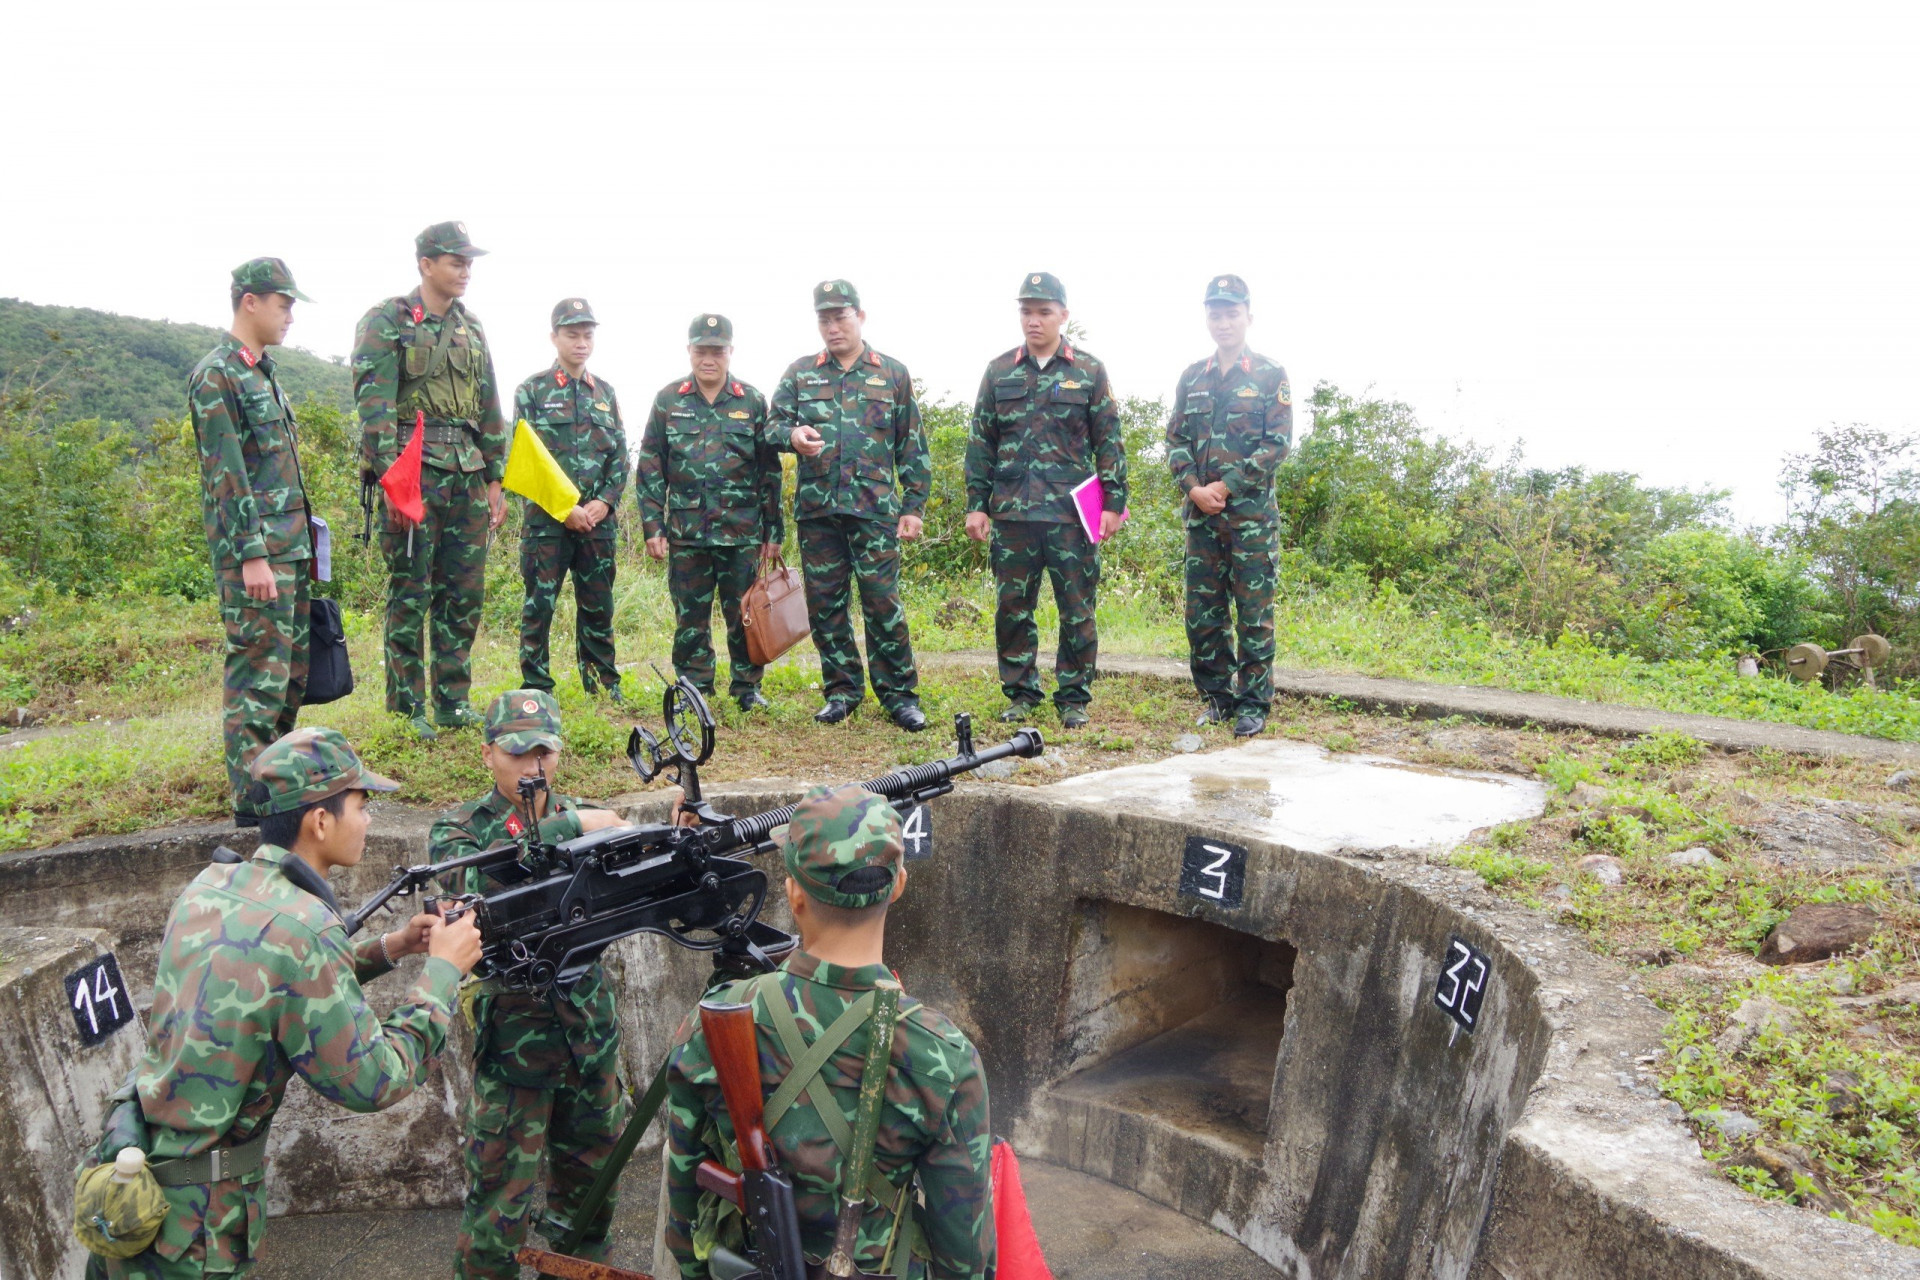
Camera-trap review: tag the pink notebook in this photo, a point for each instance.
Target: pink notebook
(1090, 499)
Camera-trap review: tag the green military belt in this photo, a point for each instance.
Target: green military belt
(216, 1164)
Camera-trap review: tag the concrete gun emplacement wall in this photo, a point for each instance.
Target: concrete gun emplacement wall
(1278, 1069)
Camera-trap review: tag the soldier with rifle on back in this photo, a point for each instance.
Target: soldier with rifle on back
(878, 1110)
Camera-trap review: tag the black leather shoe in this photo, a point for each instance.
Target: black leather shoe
(242, 819)
(1216, 713)
(1073, 717)
(910, 717)
(1018, 713)
(1249, 724)
(752, 699)
(834, 712)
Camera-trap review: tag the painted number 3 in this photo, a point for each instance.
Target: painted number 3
(1216, 872)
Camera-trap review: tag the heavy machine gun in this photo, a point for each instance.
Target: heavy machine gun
(558, 906)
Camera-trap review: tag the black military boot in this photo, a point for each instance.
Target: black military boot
(1249, 723)
(836, 710)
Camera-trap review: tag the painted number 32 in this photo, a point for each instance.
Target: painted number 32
(1462, 984)
(99, 1000)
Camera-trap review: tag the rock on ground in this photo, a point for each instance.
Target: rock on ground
(1819, 838)
(1603, 867)
(1818, 930)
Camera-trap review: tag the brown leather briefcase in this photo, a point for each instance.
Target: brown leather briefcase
(774, 613)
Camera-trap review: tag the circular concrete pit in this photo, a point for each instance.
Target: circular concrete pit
(1224, 1006)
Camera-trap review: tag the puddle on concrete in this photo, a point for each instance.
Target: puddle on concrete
(1298, 795)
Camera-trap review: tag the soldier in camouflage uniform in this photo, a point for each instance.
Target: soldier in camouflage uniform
(426, 354)
(256, 983)
(861, 483)
(1043, 422)
(709, 488)
(577, 416)
(844, 868)
(1231, 425)
(254, 502)
(546, 1065)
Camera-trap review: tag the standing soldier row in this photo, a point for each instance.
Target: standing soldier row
(708, 488)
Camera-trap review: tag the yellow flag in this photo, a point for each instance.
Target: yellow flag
(533, 474)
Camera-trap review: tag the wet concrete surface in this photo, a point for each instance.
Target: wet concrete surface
(1213, 1075)
(1089, 1230)
(1305, 798)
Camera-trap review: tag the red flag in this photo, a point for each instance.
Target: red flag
(402, 481)
(1018, 1250)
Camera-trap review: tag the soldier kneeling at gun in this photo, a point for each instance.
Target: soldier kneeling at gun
(874, 1095)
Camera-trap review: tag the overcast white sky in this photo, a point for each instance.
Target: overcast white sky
(1673, 238)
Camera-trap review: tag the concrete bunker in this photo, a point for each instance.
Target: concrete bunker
(1271, 1061)
(1175, 1020)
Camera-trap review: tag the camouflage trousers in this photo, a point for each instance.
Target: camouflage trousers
(1231, 570)
(544, 565)
(1024, 550)
(266, 670)
(508, 1127)
(837, 552)
(438, 584)
(694, 576)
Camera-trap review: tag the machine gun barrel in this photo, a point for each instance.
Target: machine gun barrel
(902, 784)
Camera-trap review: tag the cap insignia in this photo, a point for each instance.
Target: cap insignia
(461, 227)
(1035, 280)
(826, 286)
(1223, 283)
(712, 323)
(529, 706)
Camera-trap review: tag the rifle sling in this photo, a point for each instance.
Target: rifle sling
(804, 1075)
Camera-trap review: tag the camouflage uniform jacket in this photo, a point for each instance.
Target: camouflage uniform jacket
(1233, 424)
(252, 495)
(1039, 432)
(257, 982)
(397, 337)
(870, 421)
(578, 419)
(527, 1038)
(934, 1121)
(707, 475)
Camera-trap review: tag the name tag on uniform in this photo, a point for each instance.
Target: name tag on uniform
(679, 413)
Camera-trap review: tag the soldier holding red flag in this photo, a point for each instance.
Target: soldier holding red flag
(430, 418)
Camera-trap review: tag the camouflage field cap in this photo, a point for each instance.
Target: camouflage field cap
(521, 719)
(307, 766)
(265, 275)
(572, 311)
(445, 237)
(1228, 289)
(713, 330)
(843, 846)
(830, 295)
(1041, 287)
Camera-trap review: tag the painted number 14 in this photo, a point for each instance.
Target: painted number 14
(90, 999)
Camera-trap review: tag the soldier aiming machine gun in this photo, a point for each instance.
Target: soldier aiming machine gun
(560, 905)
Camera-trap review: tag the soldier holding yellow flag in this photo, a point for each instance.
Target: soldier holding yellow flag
(576, 417)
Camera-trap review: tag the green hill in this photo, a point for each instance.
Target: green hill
(124, 369)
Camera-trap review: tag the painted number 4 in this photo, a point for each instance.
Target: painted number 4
(1462, 984)
(98, 1000)
(916, 833)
